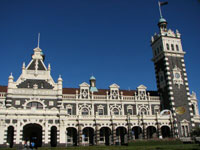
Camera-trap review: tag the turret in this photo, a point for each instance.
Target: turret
(93, 84)
(10, 83)
(60, 85)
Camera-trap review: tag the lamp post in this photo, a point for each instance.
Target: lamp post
(172, 125)
(143, 126)
(128, 122)
(138, 124)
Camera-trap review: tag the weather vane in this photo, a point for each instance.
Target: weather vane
(161, 4)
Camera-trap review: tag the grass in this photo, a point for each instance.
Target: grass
(138, 145)
(144, 147)
(135, 145)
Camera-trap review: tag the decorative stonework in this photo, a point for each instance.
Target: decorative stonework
(177, 77)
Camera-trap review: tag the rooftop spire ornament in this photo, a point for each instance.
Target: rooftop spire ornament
(161, 4)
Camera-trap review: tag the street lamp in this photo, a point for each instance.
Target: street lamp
(128, 122)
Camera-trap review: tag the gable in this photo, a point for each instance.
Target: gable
(40, 65)
(114, 86)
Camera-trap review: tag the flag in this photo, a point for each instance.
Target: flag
(163, 3)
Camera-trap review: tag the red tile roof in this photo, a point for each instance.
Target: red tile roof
(3, 88)
(103, 92)
(100, 91)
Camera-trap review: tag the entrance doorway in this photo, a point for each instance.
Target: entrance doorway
(88, 136)
(105, 134)
(137, 132)
(10, 136)
(33, 133)
(121, 134)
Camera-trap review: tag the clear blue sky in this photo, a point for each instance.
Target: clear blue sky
(107, 38)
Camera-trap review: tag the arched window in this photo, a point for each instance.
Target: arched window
(36, 105)
(177, 48)
(115, 111)
(172, 46)
(193, 109)
(167, 46)
(85, 111)
(143, 111)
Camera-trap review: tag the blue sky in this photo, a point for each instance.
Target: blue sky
(107, 38)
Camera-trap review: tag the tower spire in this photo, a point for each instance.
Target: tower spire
(38, 40)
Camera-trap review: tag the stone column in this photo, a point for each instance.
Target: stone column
(113, 133)
(97, 133)
(61, 134)
(172, 127)
(144, 130)
(158, 130)
(18, 133)
(129, 132)
(80, 133)
(46, 134)
(158, 126)
(2, 132)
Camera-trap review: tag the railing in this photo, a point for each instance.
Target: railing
(154, 98)
(129, 97)
(69, 96)
(104, 97)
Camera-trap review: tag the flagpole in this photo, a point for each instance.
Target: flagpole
(38, 40)
(160, 9)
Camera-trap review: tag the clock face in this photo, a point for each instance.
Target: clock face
(177, 75)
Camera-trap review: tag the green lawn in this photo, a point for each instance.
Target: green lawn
(155, 147)
(138, 145)
(135, 145)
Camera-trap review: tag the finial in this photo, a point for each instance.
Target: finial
(59, 76)
(49, 67)
(38, 40)
(11, 76)
(23, 66)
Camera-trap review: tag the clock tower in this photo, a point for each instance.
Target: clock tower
(171, 77)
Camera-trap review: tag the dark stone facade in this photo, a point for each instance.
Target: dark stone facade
(42, 84)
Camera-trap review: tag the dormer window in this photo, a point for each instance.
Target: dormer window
(172, 46)
(84, 90)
